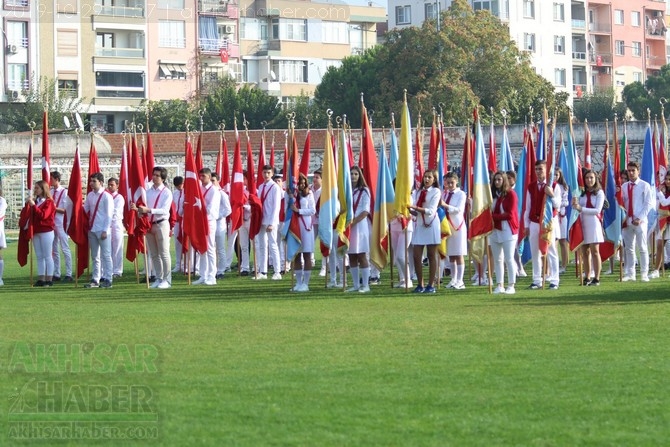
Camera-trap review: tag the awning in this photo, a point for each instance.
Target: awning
(168, 69)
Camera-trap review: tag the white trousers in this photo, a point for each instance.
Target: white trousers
(43, 243)
(268, 246)
(502, 256)
(552, 256)
(220, 239)
(101, 255)
(635, 236)
(117, 248)
(61, 241)
(400, 241)
(158, 241)
(208, 260)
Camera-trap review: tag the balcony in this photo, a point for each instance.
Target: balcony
(579, 56)
(18, 85)
(579, 24)
(601, 59)
(655, 62)
(213, 6)
(579, 90)
(119, 11)
(600, 27)
(120, 52)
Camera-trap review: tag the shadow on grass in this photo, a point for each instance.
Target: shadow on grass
(622, 295)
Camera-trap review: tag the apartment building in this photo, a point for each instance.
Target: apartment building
(578, 45)
(287, 45)
(19, 55)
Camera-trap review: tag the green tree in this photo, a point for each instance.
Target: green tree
(470, 60)
(170, 116)
(43, 93)
(640, 97)
(598, 106)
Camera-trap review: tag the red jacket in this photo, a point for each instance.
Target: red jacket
(44, 217)
(509, 212)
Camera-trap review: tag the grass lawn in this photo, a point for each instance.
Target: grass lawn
(248, 363)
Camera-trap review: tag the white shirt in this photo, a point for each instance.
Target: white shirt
(159, 200)
(643, 200)
(270, 194)
(117, 214)
(61, 200)
(99, 219)
(212, 200)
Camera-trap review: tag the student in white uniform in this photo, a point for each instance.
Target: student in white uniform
(61, 238)
(638, 200)
(117, 227)
(359, 236)
(505, 232)
(270, 194)
(221, 238)
(590, 207)
(305, 207)
(212, 199)
(454, 201)
(427, 229)
(663, 221)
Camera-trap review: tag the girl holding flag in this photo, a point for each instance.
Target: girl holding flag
(505, 232)
(590, 206)
(563, 244)
(427, 229)
(359, 238)
(453, 201)
(305, 208)
(663, 229)
(44, 224)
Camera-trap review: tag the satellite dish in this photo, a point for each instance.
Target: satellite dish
(80, 123)
(273, 75)
(66, 120)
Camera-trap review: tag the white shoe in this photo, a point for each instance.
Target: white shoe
(304, 288)
(499, 289)
(608, 272)
(510, 290)
(561, 271)
(627, 278)
(352, 289)
(197, 282)
(475, 277)
(2, 283)
(654, 274)
(175, 270)
(522, 273)
(645, 278)
(459, 286)
(322, 272)
(296, 288)
(333, 285)
(276, 277)
(364, 289)
(260, 276)
(164, 285)
(413, 277)
(210, 283)
(402, 285)
(155, 284)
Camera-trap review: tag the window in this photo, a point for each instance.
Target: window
(172, 71)
(170, 4)
(68, 88)
(430, 10)
(17, 77)
(403, 15)
(637, 76)
(559, 77)
(559, 12)
(10, 4)
(335, 32)
(290, 71)
(619, 48)
(529, 9)
(171, 34)
(17, 33)
(635, 18)
(289, 29)
(67, 42)
(559, 44)
(493, 6)
(113, 84)
(529, 42)
(637, 49)
(618, 16)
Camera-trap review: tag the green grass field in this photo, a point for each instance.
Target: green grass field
(249, 364)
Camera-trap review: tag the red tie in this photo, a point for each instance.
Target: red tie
(630, 200)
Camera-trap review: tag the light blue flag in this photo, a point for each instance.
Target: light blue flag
(506, 159)
(393, 156)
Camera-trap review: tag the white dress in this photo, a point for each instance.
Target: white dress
(457, 243)
(562, 218)
(590, 215)
(427, 226)
(359, 236)
(306, 210)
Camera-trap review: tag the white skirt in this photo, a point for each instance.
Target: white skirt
(457, 243)
(426, 235)
(359, 237)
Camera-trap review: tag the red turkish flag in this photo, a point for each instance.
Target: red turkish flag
(237, 188)
(77, 229)
(195, 213)
(224, 55)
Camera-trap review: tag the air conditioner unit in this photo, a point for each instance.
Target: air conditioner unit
(228, 29)
(12, 49)
(14, 94)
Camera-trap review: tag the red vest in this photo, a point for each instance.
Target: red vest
(536, 202)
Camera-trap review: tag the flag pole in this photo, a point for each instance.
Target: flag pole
(30, 221)
(488, 262)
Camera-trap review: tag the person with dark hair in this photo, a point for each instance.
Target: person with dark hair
(536, 196)
(316, 190)
(305, 207)
(638, 200)
(43, 222)
(505, 232)
(212, 202)
(117, 227)
(590, 206)
(427, 229)
(359, 236)
(178, 201)
(563, 245)
(61, 238)
(99, 207)
(159, 202)
(454, 201)
(270, 194)
(662, 225)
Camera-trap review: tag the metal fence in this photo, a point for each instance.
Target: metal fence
(14, 190)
